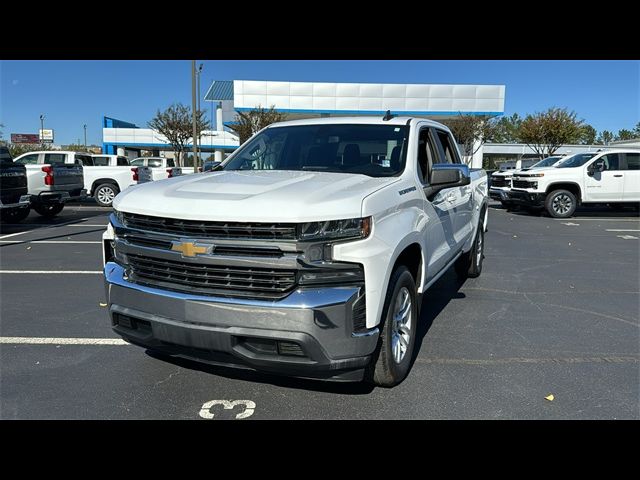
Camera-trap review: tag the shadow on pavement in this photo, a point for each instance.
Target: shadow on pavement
(583, 211)
(340, 388)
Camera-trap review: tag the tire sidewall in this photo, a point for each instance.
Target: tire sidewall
(475, 269)
(105, 185)
(552, 196)
(398, 371)
(45, 212)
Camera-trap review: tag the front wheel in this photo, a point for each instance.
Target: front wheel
(470, 264)
(560, 204)
(49, 210)
(105, 193)
(393, 356)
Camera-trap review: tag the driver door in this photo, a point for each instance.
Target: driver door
(608, 185)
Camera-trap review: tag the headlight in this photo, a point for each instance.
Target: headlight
(335, 229)
(119, 216)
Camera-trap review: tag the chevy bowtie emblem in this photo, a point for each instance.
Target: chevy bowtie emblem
(191, 249)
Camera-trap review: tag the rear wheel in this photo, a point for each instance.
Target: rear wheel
(393, 356)
(105, 193)
(14, 215)
(470, 264)
(49, 210)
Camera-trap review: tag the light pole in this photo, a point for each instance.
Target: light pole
(85, 136)
(199, 73)
(193, 110)
(42, 129)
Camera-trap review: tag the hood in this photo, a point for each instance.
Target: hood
(253, 196)
(535, 171)
(506, 173)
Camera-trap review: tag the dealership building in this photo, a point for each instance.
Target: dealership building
(310, 100)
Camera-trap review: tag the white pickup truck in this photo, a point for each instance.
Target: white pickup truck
(148, 169)
(51, 181)
(500, 184)
(104, 175)
(609, 176)
(307, 254)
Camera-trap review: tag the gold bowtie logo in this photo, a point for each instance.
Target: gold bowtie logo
(190, 249)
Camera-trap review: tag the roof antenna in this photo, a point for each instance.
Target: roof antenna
(387, 116)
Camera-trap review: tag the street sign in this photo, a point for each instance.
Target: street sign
(25, 138)
(46, 135)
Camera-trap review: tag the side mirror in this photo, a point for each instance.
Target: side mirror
(597, 166)
(447, 175)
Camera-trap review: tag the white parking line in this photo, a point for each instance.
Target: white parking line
(620, 230)
(42, 226)
(61, 341)
(96, 272)
(46, 241)
(601, 219)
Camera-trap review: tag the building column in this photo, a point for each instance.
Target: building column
(519, 162)
(120, 151)
(219, 123)
(476, 159)
(218, 155)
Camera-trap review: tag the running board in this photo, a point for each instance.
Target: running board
(441, 272)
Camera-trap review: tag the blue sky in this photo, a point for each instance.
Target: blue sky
(72, 93)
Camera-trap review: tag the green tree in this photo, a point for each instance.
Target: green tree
(545, 132)
(636, 130)
(588, 135)
(605, 137)
(506, 129)
(176, 124)
(471, 132)
(625, 134)
(20, 148)
(251, 122)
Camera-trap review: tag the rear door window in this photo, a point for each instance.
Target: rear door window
(170, 162)
(154, 162)
(138, 162)
(633, 161)
(123, 161)
(85, 160)
(55, 158)
(101, 161)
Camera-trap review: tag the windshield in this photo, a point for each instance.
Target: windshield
(373, 150)
(545, 162)
(576, 160)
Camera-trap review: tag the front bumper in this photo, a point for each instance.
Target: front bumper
(528, 198)
(23, 202)
(233, 332)
(500, 194)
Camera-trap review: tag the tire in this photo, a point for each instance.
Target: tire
(469, 265)
(14, 215)
(506, 205)
(560, 204)
(390, 364)
(48, 210)
(105, 193)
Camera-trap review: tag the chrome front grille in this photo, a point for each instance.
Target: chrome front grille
(211, 279)
(207, 229)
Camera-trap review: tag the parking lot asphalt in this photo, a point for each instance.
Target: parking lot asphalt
(555, 312)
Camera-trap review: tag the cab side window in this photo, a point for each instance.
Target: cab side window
(426, 155)
(28, 159)
(611, 161)
(123, 161)
(154, 162)
(170, 162)
(449, 151)
(101, 161)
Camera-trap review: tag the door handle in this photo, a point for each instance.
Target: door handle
(617, 175)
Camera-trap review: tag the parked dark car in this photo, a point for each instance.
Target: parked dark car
(14, 199)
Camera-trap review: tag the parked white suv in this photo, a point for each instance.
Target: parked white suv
(306, 254)
(610, 176)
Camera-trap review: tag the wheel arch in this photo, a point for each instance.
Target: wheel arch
(573, 187)
(101, 181)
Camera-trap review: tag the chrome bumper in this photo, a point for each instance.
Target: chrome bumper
(23, 202)
(221, 330)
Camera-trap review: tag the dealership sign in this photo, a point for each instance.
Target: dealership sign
(46, 136)
(25, 138)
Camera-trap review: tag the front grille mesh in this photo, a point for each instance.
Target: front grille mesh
(207, 229)
(211, 279)
(500, 182)
(523, 184)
